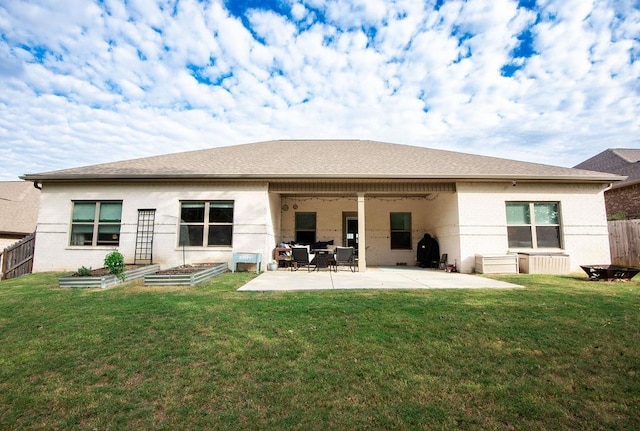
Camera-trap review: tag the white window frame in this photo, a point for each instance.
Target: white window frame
(206, 224)
(533, 225)
(96, 223)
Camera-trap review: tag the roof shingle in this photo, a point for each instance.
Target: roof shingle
(322, 159)
(620, 161)
(19, 204)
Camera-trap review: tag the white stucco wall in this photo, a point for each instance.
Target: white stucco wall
(253, 230)
(465, 223)
(483, 229)
(328, 216)
(426, 217)
(442, 223)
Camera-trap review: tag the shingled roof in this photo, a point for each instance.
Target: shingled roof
(19, 204)
(621, 161)
(322, 159)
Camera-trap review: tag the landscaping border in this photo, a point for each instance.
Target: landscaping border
(107, 280)
(185, 279)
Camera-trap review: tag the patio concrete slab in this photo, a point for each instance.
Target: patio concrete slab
(373, 278)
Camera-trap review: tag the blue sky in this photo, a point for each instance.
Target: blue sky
(84, 82)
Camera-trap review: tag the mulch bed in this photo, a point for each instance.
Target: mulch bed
(185, 269)
(99, 272)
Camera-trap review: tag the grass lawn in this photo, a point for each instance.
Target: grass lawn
(564, 353)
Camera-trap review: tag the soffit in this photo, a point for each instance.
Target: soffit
(351, 188)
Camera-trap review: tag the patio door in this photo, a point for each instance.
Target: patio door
(350, 230)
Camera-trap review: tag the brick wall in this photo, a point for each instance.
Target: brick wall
(626, 199)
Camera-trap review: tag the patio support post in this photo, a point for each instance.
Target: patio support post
(362, 248)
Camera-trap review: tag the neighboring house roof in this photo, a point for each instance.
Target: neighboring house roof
(19, 204)
(322, 159)
(621, 161)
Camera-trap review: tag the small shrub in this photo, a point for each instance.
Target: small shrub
(620, 215)
(83, 271)
(114, 262)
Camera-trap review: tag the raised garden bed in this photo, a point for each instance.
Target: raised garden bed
(608, 272)
(101, 278)
(186, 275)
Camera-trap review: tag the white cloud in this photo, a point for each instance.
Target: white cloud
(86, 82)
(356, 13)
(299, 11)
(274, 28)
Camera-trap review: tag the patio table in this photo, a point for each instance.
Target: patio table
(324, 258)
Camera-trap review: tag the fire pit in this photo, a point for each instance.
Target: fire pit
(607, 272)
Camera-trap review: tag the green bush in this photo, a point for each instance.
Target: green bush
(83, 271)
(620, 215)
(114, 262)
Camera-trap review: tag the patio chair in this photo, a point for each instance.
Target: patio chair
(443, 261)
(300, 257)
(345, 256)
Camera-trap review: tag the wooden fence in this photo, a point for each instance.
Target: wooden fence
(17, 259)
(624, 242)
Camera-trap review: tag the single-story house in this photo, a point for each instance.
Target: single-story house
(623, 199)
(205, 205)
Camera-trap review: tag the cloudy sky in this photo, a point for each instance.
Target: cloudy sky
(84, 82)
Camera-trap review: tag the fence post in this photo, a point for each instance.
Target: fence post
(4, 264)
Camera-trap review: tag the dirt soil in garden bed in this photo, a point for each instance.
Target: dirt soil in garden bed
(186, 269)
(99, 272)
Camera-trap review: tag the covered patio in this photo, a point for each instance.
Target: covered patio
(382, 219)
(374, 278)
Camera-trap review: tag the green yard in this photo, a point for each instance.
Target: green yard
(564, 353)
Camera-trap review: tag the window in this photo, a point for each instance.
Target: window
(96, 223)
(400, 231)
(533, 224)
(206, 223)
(305, 228)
